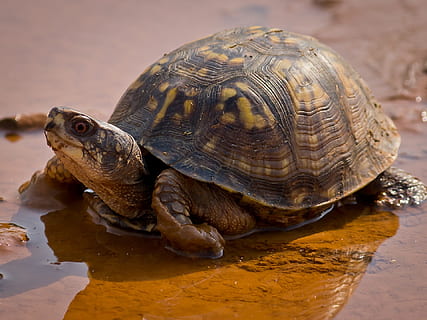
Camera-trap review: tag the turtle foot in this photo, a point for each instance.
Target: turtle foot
(399, 189)
(43, 192)
(145, 223)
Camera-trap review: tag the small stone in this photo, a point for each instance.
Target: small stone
(12, 136)
(326, 3)
(11, 234)
(23, 122)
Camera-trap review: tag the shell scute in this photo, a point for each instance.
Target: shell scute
(272, 115)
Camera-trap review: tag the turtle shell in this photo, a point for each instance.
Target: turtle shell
(273, 115)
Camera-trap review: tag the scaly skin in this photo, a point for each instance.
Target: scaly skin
(395, 189)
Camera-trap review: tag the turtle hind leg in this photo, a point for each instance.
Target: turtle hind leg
(395, 188)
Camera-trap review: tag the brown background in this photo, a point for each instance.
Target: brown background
(85, 53)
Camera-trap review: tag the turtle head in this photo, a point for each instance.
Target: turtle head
(101, 156)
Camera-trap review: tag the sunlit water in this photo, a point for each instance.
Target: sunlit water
(356, 263)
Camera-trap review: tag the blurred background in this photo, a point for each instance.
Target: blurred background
(85, 53)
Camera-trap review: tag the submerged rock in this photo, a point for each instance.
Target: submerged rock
(12, 242)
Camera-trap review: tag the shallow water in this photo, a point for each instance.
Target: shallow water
(356, 263)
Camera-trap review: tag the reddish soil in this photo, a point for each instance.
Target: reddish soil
(354, 264)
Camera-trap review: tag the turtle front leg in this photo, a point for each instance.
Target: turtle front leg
(177, 200)
(395, 188)
(56, 171)
(49, 187)
(145, 223)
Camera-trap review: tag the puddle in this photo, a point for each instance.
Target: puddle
(356, 263)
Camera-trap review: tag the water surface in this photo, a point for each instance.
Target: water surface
(357, 263)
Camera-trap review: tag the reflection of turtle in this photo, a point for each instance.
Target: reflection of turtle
(247, 125)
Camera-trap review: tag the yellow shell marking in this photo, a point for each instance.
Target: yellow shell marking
(163, 86)
(246, 116)
(177, 117)
(304, 95)
(155, 69)
(312, 95)
(349, 88)
(188, 107)
(260, 122)
(282, 67)
(222, 57)
(313, 140)
(320, 97)
(299, 78)
(204, 48)
(298, 195)
(275, 39)
(152, 103)
(242, 86)
(170, 96)
(163, 60)
(191, 92)
(227, 93)
(290, 41)
(348, 83)
(211, 55)
(285, 165)
(203, 71)
(219, 107)
(238, 60)
(228, 118)
(254, 29)
(211, 144)
(135, 85)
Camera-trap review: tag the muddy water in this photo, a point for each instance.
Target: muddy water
(357, 263)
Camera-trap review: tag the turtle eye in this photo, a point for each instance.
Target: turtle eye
(81, 126)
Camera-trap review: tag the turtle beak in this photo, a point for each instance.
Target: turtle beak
(50, 123)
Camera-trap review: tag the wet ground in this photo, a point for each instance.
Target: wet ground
(356, 263)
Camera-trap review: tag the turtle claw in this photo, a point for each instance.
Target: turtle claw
(197, 241)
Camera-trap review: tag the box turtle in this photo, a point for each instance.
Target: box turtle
(248, 127)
